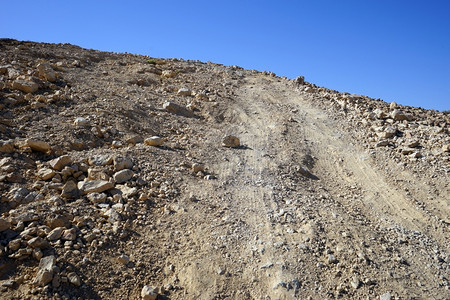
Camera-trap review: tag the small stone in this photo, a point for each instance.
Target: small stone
(97, 197)
(355, 283)
(446, 148)
(149, 293)
(55, 233)
(38, 145)
(331, 259)
(69, 234)
(96, 186)
(400, 116)
(100, 160)
(393, 106)
(45, 173)
(184, 92)
(45, 270)
(74, 279)
(386, 296)
(123, 259)
(38, 242)
(80, 121)
(121, 163)
(60, 162)
(197, 168)
(70, 190)
(46, 72)
(231, 141)
(154, 141)
(123, 176)
(178, 109)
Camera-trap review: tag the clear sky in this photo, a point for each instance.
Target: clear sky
(396, 50)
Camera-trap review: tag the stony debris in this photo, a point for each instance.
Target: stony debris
(336, 195)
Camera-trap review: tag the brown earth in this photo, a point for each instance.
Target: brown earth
(330, 195)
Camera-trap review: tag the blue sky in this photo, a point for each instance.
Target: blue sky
(395, 50)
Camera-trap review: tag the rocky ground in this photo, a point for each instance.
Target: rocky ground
(116, 182)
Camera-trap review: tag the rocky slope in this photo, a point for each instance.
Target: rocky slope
(116, 183)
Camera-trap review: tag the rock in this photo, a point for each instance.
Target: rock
(55, 234)
(149, 293)
(46, 72)
(6, 146)
(386, 296)
(178, 109)
(38, 242)
(127, 192)
(399, 115)
(94, 186)
(45, 270)
(60, 162)
(197, 168)
(154, 141)
(4, 224)
(100, 160)
(446, 148)
(169, 73)
(45, 173)
(55, 221)
(331, 259)
(355, 283)
(380, 114)
(231, 141)
(80, 121)
(300, 80)
(382, 143)
(412, 144)
(393, 106)
(74, 279)
(69, 234)
(38, 145)
(184, 92)
(121, 163)
(123, 259)
(97, 197)
(27, 86)
(123, 176)
(70, 190)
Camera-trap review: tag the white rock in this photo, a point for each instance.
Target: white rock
(80, 121)
(121, 163)
(123, 176)
(149, 293)
(94, 186)
(154, 141)
(184, 92)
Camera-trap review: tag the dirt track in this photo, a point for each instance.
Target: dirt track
(309, 207)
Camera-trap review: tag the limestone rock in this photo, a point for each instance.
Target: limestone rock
(45, 173)
(178, 109)
(55, 234)
(446, 148)
(69, 234)
(300, 80)
(121, 163)
(197, 168)
(399, 115)
(80, 121)
(100, 160)
(231, 141)
(386, 296)
(154, 141)
(184, 92)
(123, 176)
(70, 190)
(97, 197)
(46, 72)
(94, 186)
(38, 242)
(38, 145)
(45, 270)
(123, 259)
(148, 293)
(380, 114)
(4, 224)
(74, 279)
(27, 86)
(60, 162)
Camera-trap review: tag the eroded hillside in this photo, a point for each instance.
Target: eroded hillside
(329, 195)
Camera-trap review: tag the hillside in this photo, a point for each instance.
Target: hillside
(327, 195)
